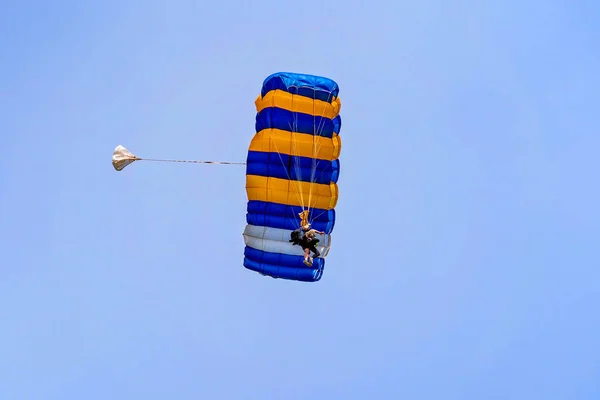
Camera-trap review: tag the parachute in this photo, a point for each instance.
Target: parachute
(292, 169)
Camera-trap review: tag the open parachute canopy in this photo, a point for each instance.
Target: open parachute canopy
(292, 170)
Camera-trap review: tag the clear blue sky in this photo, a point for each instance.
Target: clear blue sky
(470, 168)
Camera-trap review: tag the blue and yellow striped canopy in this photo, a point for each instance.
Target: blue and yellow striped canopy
(292, 167)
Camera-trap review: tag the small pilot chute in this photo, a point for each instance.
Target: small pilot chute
(122, 158)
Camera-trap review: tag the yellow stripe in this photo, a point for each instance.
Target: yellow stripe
(293, 193)
(297, 144)
(297, 103)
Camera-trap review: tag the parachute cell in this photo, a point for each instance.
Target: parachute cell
(292, 171)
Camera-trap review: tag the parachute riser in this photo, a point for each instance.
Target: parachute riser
(303, 217)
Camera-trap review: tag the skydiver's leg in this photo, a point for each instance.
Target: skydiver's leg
(314, 250)
(307, 261)
(312, 245)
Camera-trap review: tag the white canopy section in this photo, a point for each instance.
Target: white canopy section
(276, 240)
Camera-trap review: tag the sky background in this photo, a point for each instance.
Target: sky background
(469, 170)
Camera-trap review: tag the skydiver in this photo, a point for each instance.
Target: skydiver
(309, 243)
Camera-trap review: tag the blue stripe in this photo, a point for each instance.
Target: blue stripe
(283, 266)
(337, 124)
(315, 87)
(292, 167)
(282, 216)
(279, 118)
